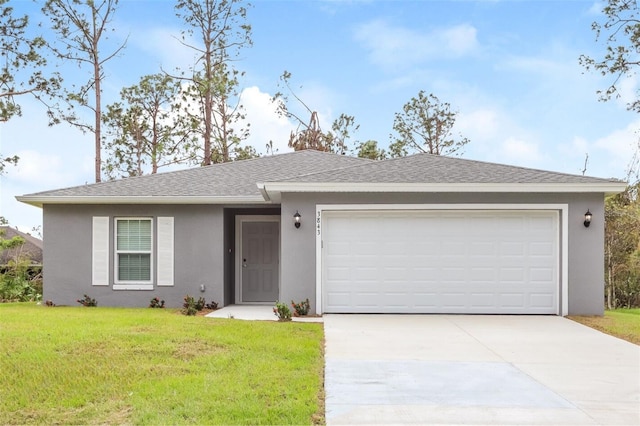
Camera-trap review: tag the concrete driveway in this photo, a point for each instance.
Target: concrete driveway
(457, 369)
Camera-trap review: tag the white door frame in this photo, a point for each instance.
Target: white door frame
(563, 209)
(240, 219)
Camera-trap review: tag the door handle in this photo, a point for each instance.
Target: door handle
(244, 263)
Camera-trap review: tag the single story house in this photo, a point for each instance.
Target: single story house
(419, 234)
(31, 249)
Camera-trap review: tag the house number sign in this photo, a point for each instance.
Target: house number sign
(318, 222)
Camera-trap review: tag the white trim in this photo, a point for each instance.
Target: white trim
(564, 248)
(100, 251)
(39, 200)
(131, 285)
(271, 192)
(563, 270)
(240, 219)
(273, 189)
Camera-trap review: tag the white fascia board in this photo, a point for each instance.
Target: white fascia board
(273, 189)
(38, 201)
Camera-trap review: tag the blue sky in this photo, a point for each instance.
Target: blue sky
(510, 69)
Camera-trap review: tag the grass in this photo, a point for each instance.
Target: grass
(75, 365)
(622, 323)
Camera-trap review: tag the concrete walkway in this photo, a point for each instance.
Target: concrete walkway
(254, 313)
(449, 369)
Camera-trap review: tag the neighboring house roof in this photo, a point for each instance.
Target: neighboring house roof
(262, 180)
(32, 247)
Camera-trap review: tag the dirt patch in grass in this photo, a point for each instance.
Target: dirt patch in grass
(189, 349)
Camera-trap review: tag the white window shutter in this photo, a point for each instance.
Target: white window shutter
(165, 251)
(100, 251)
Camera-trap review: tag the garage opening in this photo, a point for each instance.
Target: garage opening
(441, 261)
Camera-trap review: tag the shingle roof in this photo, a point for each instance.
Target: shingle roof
(244, 180)
(226, 179)
(31, 249)
(428, 168)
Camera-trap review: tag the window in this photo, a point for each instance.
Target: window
(133, 250)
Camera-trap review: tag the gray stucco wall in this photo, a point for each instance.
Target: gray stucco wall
(204, 240)
(198, 254)
(585, 248)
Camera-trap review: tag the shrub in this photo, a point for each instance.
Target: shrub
(200, 304)
(189, 305)
(156, 303)
(87, 301)
(282, 311)
(213, 305)
(301, 308)
(20, 282)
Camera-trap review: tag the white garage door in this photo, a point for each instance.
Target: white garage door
(464, 261)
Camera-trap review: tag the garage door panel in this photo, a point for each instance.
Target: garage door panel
(336, 248)
(511, 301)
(511, 275)
(482, 300)
(512, 248)
(541, 249)
(541, 275)
(338, 275)
(541, 301)
(440, 261)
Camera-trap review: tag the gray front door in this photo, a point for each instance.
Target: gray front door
(260, 261)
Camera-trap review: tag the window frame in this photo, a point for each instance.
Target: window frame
(137, 284)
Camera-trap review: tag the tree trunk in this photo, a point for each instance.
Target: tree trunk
(98, 114)
(609, 276)
(207, 127)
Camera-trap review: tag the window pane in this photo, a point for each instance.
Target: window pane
(134, 267)
(134, 235)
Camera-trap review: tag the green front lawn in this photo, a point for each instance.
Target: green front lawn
(622, 323)
(155, 366)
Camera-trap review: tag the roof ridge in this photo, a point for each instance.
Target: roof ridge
(168, 172)
(27, 237)
(467, 160)
(365, 161)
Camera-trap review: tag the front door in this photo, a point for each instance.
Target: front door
(258, 258)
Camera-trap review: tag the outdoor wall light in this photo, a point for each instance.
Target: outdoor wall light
(296, 219)
(587, 218)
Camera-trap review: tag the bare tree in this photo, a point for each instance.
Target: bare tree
(82, 26)
(309, 134)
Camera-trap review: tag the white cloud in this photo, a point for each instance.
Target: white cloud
(627, 88)
(580, 145)
(43, 169)
(538, 65)
(482, 123)
(395, 47)
(596, 8)
(521, 151)
(460, 39)
(619, 145)
(266, 124)
(163, 43)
